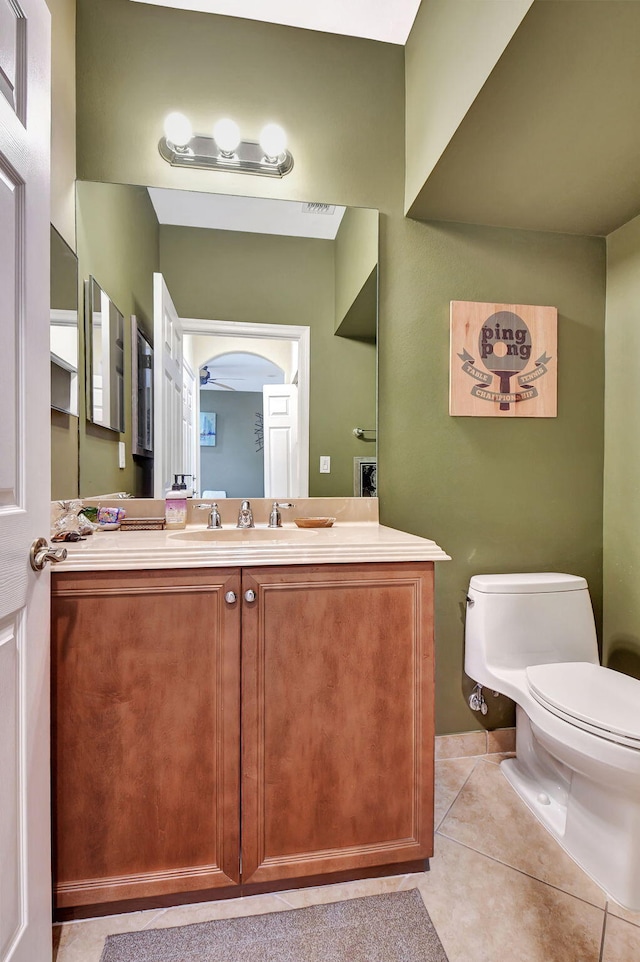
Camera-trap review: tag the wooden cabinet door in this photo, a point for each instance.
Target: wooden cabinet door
(337, 714)
(146, 733)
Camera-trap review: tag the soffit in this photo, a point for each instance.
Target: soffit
(390, 22)
(552, 142)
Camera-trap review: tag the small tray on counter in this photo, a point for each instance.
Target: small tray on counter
(314, 522)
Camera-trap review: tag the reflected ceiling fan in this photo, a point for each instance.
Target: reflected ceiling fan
(205, 378)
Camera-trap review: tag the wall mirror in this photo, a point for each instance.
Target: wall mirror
(254, 262)
(141, 392)
(104, 339)
(63, 326)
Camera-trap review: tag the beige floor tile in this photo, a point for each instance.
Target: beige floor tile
(341, 891)
(501, 740)
(621, 941)
(485, 911)
(451, 774)
(489, 817)
(496, 757)
(614, 909)
(88, 935)
(463, 745)
(222, 909)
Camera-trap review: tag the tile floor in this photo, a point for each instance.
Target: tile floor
(499, 887)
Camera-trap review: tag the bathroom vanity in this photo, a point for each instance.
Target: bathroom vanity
(235, 715)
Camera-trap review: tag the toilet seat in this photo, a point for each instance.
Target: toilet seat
(599, 700)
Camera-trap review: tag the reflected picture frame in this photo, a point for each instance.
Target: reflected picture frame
(208, 421)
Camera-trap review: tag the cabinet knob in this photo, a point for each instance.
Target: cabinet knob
(250, 595)
(230, 597)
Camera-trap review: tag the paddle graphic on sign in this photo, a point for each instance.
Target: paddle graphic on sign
(503, 360)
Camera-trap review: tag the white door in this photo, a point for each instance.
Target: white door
(189, 419)
(280, 425)
(25, 492)
(168, 444)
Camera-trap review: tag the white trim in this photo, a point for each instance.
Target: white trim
(63, 318)
(280, 332)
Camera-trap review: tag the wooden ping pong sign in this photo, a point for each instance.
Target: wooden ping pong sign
(503, 360)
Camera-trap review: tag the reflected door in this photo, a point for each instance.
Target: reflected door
(168, 385)
(280, 426)
(25, 873)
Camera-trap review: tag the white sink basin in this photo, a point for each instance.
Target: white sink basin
(245, 535)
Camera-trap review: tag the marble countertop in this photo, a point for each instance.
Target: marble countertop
(356, 536)
(196, 547)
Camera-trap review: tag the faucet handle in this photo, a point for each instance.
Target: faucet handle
(214, 520)
(275, 521)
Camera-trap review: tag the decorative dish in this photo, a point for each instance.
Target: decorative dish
(314, 522)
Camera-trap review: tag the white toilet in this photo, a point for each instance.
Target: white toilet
(532, 637)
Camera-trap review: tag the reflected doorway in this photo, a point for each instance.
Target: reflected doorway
(231, 422)
(252, 403)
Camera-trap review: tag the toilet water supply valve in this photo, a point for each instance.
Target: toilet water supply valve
(477, 702)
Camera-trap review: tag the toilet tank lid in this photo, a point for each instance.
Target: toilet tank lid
(527, 583)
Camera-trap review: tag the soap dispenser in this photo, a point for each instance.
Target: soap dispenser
(175, 511)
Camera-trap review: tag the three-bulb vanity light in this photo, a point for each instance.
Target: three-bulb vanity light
(225, 150)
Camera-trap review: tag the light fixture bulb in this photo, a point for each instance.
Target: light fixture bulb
(273, 141)
(177, 129)
(226, 134)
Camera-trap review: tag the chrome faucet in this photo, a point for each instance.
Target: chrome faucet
(245, 516)
(275, 521)
(214, 515)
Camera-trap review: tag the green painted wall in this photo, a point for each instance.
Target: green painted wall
(118, 244)
(356, 261)
(497, 495)
(451, 50)
(257, 278)
(63, 117)
(622, 453)
(551, 140)
(522, 494)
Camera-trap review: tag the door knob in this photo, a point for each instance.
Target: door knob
(250, 595)
(41, 552)
(230, 597)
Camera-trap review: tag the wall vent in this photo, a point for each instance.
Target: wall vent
(318, 208)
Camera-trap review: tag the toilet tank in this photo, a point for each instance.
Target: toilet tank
(517, 620)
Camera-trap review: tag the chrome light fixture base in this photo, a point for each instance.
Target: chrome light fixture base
(248, 158)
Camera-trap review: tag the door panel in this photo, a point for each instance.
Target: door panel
(25, 876)
(281, 453)
(146, 679)
(11, 217)
(337, 719)
(11, 880)
(12, 55)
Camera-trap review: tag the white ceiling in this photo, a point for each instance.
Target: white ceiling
(257, 215)
(387, 20)
(241, 372)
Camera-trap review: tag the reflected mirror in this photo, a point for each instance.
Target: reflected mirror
(104, 340)
(63, 326)
(141, 392)
(246, 261)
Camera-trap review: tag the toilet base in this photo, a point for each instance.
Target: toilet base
(590, 807)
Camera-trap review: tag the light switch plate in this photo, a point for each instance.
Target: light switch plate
(122, 454)
(325, 464)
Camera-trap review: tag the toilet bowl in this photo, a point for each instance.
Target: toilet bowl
(577, 766)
